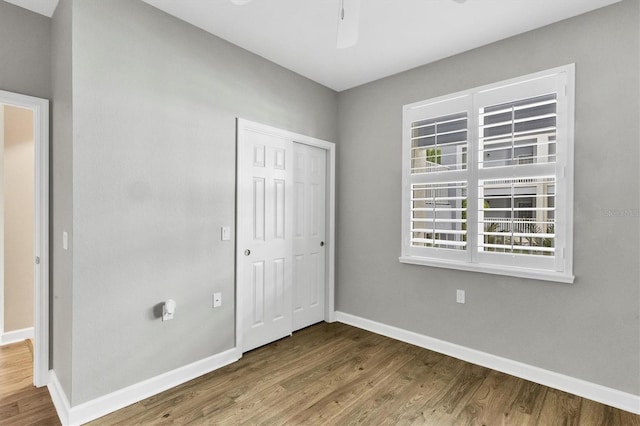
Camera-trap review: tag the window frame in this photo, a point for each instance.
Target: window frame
(562, 79)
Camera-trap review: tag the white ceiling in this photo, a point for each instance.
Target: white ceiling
(395, 35)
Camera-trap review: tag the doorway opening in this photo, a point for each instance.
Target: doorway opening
(24, 227)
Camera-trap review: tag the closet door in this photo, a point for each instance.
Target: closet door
(309, 235)
(264, 230)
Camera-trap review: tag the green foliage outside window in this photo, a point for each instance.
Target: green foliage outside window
(434, 155)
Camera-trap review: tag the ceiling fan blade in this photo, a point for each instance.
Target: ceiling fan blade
(460, 1)
(348, 23)
(240, 2)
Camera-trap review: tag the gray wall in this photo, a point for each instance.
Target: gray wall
(589, 330)
(147, 135)
(25, 51)
(61, 194)
(154, 107)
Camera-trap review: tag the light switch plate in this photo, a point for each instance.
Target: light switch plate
(225, 233)
(65, 240)
(217, 300)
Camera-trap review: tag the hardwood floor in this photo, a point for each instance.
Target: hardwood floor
(334, 374)
(20, 402)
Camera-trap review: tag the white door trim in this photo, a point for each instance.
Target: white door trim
(40, 108)
(243, 126)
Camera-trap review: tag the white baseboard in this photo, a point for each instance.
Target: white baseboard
(104, 405)
(10, 337)
(59, 398)
(615, 398)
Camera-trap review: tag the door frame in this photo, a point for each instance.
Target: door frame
(242, 127)
(40, 109)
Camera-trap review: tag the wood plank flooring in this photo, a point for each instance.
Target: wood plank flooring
(20, 402)
(334, 374)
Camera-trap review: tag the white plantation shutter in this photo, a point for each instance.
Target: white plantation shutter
(437, 179)
(437, 215)
(517, 168)
(520, 129)
(439, 143)
(516, 221)
(488, 178)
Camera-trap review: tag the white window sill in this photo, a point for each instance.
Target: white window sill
(491, 269)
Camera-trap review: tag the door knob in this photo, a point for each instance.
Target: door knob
(321, 243)
(247, 252)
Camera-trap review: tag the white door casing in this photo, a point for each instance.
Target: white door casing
(40, 108)
(309, 235)
(262, 274)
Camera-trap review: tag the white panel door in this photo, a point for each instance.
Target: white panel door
(264, 272)
(308, 235)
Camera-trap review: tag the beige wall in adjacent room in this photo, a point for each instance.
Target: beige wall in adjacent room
(18, 218)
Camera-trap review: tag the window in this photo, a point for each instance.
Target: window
(488, 178)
